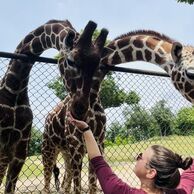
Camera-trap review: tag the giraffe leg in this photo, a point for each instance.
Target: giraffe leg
(67, 179)
(77, 179)
(3, 166)
(76, 167)
(15, 166)
(49, 157)
(92, 181)
(12, 175)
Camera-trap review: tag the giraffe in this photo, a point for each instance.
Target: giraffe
(59, 136)
(142, 45)
(15, 112)
(149, 46)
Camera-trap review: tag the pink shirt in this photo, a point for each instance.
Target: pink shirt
(111, 184)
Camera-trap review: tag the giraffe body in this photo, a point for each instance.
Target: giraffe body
(81, 63)
(15, 112)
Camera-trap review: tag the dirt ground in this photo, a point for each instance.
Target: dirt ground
(35, 185)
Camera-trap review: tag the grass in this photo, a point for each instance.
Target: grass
(123, 153)
(181, 144)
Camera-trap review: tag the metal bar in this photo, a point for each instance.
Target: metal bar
(136, 71)
(26, 57)
(110, 68)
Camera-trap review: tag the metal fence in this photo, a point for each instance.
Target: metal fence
(119, 151)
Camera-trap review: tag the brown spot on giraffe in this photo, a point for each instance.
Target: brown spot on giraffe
(188, 87)
(138, 43)
(139, 55)
(128, 54)
(148, 55)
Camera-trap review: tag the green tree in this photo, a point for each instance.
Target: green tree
(35, 142)
(140, 124)
(114, 131)
(186, 1)
(112, 96)
(185, 121)
(164, 118)
(58, 87)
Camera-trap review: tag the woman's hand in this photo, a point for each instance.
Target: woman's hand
(79, 124)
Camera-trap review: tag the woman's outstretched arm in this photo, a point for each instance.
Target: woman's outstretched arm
(109, 181)
(91, 144)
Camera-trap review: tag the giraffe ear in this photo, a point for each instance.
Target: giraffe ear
(69, 39)
(106, 51)
(176, 51)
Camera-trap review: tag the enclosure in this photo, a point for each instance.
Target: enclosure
(142, 108)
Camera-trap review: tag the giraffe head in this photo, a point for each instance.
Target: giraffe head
(81, 59)
(183, 70)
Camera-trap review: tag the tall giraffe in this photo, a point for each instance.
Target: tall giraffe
(177, 60)
(15, 112)
(59, 136)
(148, 46)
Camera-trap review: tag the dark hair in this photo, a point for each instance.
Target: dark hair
(166, 163)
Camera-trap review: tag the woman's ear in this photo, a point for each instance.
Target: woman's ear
(176, 51)
(151, 173)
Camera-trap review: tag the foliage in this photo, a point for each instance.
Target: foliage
(185, 121)
(186, 1)
(35, 142)
(140, 124)
(117, 135)
(112, 96)
(164, 118)
(58, 87)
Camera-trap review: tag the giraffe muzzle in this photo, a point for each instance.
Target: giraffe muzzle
(190, 73)
(79, 110)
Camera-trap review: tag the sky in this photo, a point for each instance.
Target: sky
(18, 18)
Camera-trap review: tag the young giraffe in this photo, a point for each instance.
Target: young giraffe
(15, 112)
(147, 46)
(59, 136)
(150, 46)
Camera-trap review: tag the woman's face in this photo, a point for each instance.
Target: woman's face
(142, 164)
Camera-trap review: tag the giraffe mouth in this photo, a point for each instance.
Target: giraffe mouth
(190, 73)
(79, 110)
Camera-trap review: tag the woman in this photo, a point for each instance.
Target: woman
(156, 168)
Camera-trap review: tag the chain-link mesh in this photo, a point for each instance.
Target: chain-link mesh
(127, 132)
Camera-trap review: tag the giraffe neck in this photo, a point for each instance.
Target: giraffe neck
(141, 46)
(49, 35)
(95, 86)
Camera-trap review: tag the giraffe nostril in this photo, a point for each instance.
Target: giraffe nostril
(190, 72)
